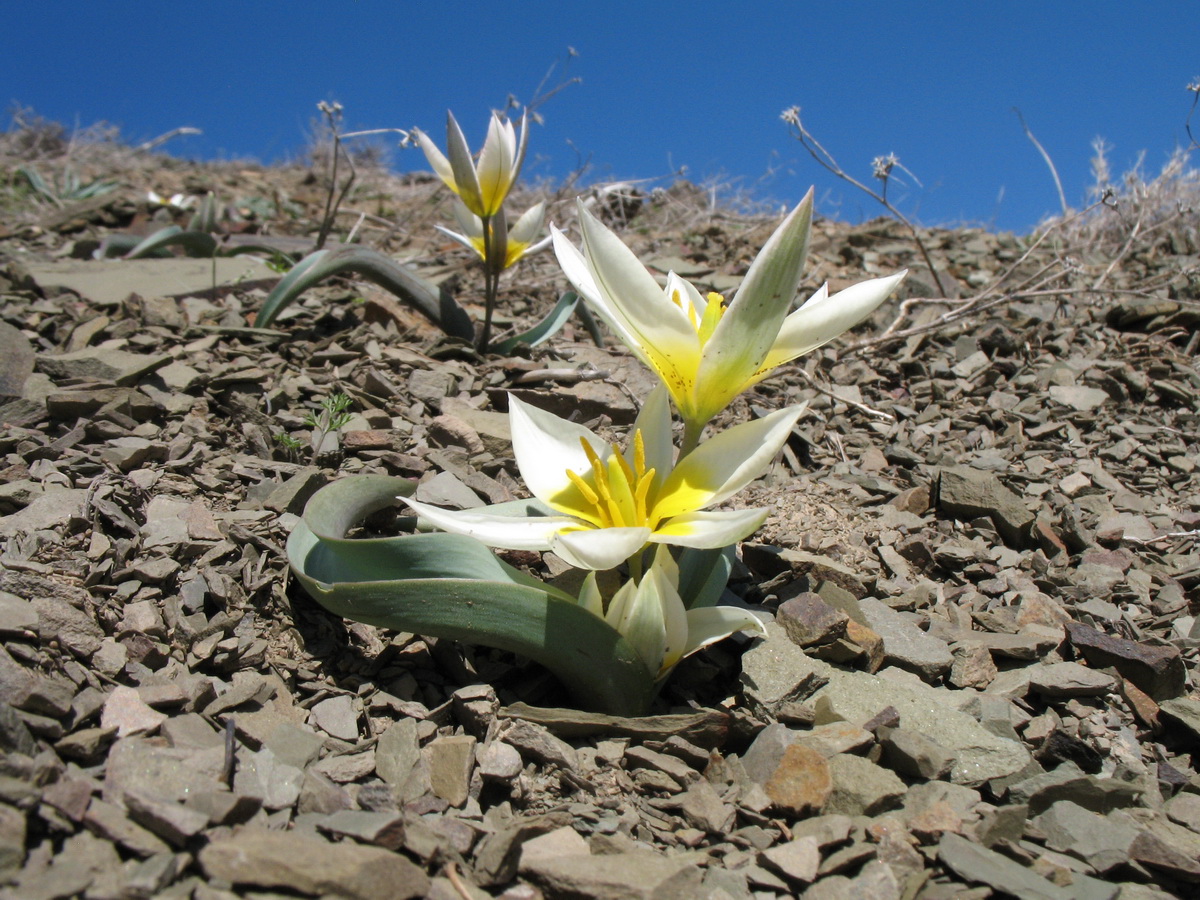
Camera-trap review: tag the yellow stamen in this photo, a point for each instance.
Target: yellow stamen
(712, 315)
(619, 493)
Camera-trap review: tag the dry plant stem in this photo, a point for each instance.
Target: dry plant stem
(825, 158)
(819, 388)
(1062, 198)
(331, 206)
(1034, 285)
(163, 138)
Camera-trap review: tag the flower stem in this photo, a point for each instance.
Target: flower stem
(691, 436)
(491, 278)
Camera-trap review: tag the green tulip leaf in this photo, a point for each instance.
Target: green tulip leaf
(450, 586)
(372, 265)
(194, 243)
(545, 329)
(703, 575)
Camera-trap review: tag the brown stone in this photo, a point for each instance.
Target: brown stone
(801, 782)
(1157, 670)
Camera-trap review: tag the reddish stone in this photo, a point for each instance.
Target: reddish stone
(801, 783)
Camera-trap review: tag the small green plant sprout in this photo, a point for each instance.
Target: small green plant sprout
(325, 424)
(641, 509)
(291, 446)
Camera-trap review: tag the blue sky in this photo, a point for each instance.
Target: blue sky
(664, 85)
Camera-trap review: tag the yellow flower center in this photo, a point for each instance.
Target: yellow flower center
(617, 494)
(704, 324)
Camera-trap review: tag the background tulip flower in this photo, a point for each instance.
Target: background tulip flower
(607, 505)
(506, 246)
(481, 186)
(705, 352)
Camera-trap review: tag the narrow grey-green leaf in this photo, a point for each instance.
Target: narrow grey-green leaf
(449, 586)
(545, 329)
(372, 265)
(195, 243)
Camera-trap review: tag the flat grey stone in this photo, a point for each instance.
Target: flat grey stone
(904, 644)
(109, 282)
(617, 876)
(17, 615)
(968, 493)
(451, 759)
(53, 509)
(977, 864)
(102, 365)
(1185, 711)
(861, 788)
(445, 489)
(294, 862)
(337, 716)
(1077, 396)
(1069, 679)
(263, 776)
(1089, 836)
(858, 696)
(16, 362)
(397, 752)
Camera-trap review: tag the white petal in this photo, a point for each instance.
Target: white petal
(748, 329)
(590, 597)
(506, 532)
(579, 273)
(725, 463)
(674, 613)
(470, 223)
(691, 305)
(599, 548)
(636, 612)
(495, 165)
(546, 447)
(654, 421)
(710, 624)
(630, 290)
(437, 160)
(459, 238)
(709, 529)
(529, 225)
(466, 182)
(824, 317)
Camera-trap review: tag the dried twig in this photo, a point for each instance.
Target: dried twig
(882, 170)
(1062, 198)
(816, 386)
(163, 138)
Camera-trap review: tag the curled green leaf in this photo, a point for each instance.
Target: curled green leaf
(545, 329)
(449, 586)
(372, 265)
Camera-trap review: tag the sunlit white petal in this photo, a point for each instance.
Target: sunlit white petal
(546, 446)
(506, 532)
(598, 548)
(709, 529)
(825, 316)
(727, 462)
